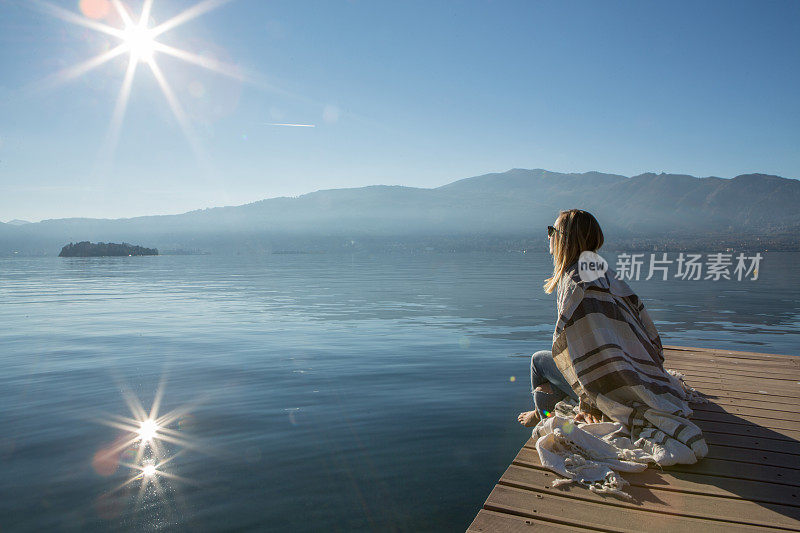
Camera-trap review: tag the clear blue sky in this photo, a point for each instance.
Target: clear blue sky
(401, 92)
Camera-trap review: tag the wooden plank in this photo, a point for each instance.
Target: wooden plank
(791, 377)
(663, 501)
(754, 472)
(773, 387)
(766, 389)
(770, 386)
(736, 406)
(492, 521)
(734, 354)
(730, 453)
(764, 382)
(748, 359)
(754, 443)
(719, 362)
(737, 362)
(747, 420)
(704, 359)
(728, 356)
(717, 366)
(729, 353)
(722, 350)
(752, 431)
(568, 510)
(738, 376)
(756, 398)
(743, 489)
(745, 413)
(712, 371)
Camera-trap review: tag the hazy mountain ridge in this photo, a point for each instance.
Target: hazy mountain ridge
(503, 207)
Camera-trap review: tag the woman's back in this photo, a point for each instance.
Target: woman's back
(608, 348)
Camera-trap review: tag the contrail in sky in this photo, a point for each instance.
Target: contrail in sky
(291, 125)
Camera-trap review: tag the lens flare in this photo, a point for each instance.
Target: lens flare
(95, 9)
(147, 430)
(146, 447)
(138, 39)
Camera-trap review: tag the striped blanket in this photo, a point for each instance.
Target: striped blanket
(609, 350)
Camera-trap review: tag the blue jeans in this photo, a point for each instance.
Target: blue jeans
(544, 370)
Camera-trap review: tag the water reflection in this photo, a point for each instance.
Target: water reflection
(145, 449)
(365, 391)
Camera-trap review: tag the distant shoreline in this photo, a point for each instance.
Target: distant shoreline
(493, 212)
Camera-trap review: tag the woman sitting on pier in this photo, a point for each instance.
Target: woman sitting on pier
(607, 353)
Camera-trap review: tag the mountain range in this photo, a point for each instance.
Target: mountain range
(507, 210)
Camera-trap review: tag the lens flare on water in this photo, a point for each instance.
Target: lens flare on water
(145, 444)
(147, 430)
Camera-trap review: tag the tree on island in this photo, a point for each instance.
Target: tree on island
(104, 249)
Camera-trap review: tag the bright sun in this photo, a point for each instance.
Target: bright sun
(141, 43)
(138, 40)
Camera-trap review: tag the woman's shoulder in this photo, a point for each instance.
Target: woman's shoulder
(573, 287)
(570, 288)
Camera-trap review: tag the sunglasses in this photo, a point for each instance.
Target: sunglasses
(551, 230)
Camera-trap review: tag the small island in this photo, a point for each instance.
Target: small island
(104, 249)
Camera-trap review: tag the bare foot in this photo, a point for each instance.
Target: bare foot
(528, 418)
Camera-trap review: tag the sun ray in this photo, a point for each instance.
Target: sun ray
(168, 418)
(146, 8)
(195, 11)
(177, 441)
(175, 477)
(219, 67)
(69, 16)
(134, 404)
(177, 110)
(168, 459)
(115, 126)
(123, 13)
(206, 62)
(80, 69)
(125, 426)
(157, 400)
(126, 482)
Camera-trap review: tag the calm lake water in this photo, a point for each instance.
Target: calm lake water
(309, 391)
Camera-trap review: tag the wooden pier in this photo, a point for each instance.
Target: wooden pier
(750, 480)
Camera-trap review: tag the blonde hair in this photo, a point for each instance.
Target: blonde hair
(577, 231)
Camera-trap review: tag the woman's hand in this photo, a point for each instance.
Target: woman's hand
(587, 418)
